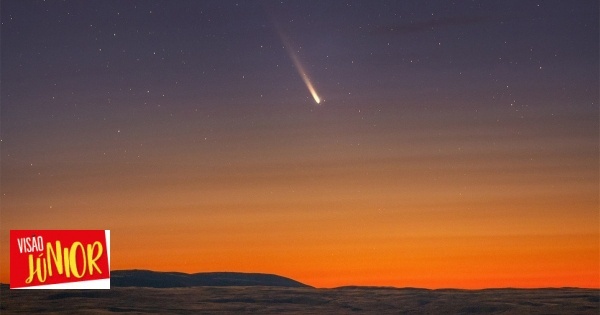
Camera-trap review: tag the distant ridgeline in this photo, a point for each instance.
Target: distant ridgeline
(155, 279)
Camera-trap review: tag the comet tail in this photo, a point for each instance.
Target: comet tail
(303, 74)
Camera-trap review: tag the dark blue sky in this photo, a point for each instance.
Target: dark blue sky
(68, 66)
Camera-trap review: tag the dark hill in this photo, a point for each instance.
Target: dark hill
(155, 279)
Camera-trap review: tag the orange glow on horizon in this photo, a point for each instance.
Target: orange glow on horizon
(333, 215)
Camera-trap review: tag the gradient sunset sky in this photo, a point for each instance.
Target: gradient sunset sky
(456, 143)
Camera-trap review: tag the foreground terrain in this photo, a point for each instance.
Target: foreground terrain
(272, 300)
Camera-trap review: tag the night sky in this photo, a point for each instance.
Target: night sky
(455, 143)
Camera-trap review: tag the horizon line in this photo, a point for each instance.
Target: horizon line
(371, 286)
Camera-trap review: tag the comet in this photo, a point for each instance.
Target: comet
(303, 74)
(298, 66)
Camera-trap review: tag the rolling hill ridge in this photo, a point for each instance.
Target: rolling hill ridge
(156, 279)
